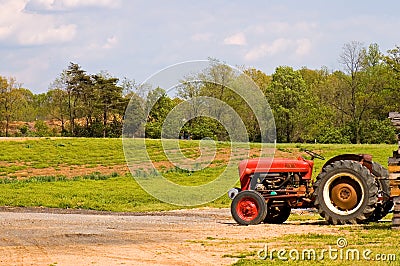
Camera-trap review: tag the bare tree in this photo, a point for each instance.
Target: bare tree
(352, 58)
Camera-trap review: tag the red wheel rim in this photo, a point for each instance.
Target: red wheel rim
(247, 209)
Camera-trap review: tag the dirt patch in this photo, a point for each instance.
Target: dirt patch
(31, 138)
(208, 158)
(70, 171)
(38, 236)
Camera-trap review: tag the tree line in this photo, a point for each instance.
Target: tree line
(80, 104)
(342, 106)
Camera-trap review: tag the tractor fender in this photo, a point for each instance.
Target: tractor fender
(364, 159)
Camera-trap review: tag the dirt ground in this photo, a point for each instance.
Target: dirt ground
(40, 236)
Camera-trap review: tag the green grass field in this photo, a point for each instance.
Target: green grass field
(120, 192)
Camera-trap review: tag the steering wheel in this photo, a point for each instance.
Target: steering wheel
(314, 155)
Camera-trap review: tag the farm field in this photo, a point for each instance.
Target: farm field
(82, 203)
(93, 174)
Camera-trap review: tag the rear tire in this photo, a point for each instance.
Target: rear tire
(382, 179)
(345, 192)
(248, 207)
(396, 213)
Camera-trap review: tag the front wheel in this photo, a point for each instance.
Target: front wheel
(248, 207)
(345, 192)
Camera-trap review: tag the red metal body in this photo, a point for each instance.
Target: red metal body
(284, 184)
(276, 165)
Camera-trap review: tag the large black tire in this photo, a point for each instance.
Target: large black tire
(248, 207)
(382, 180)
(396, 213)
(277, 215)
(345, 192)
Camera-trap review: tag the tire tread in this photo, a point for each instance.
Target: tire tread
(363, 172)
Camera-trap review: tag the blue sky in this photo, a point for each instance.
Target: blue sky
(134, 39)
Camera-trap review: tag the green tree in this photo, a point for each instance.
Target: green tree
(158, 105)
(261, 79)
(219, 81)
(286, 95)
(109, 100)
(392, 92)
(134, 116)
(57, 106)
(314, 113)
(11, 95)
(42, 129)
(363, 88)
(77, 83)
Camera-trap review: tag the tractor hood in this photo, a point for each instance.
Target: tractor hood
(274, 165)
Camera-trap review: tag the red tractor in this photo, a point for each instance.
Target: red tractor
(351, 188)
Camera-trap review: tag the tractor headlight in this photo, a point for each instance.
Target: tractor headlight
(233, 192)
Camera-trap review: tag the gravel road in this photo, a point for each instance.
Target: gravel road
(38, 236)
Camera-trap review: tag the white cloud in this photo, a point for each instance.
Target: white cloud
(277, 27)
(305, 27)
(300, 47)
(80, 3)
(266, 49)
(97, 46)
(276, 37)
(111, 42)
(201, 37)
(5, 31)
(19, 27)
(303, 47)
(32, 69)
(53, 34)
(236, 39)
(63, 5)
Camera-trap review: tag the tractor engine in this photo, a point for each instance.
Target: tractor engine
(275, 181)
